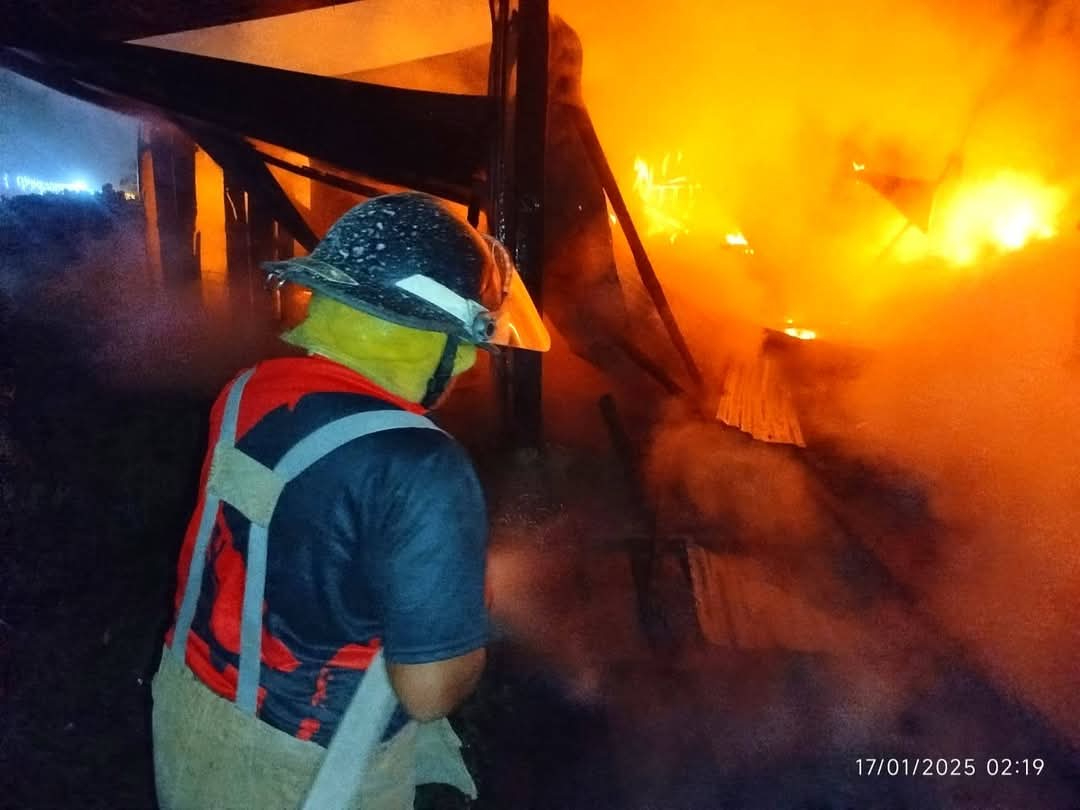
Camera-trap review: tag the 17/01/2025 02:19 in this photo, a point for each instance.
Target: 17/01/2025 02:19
(949, 766)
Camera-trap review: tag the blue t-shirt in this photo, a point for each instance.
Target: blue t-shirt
(380, 542)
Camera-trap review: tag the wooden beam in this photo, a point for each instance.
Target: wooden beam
(240, 160)
(436, 142)
(173, 192)
(637, 248)
(321, 176)
(21, 21)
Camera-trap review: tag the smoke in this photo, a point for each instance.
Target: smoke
(950, 459)
(980, 400)
(770, 104)
(56, 138)
(76, 273)
(968, 401)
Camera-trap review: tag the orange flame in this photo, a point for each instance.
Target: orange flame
(999, 214)
(667, 200)
(737, 240)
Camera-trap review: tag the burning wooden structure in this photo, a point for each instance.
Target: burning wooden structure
(509, 149)
(496, 151)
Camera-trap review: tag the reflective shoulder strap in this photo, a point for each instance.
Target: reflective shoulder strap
(361, 728)
(302, 455)
(206, 523)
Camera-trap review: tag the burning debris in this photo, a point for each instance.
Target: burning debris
(858, 238)
(667, 199)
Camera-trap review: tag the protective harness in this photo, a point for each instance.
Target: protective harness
(253, 489)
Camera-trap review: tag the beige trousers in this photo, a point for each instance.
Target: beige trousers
(208, 755)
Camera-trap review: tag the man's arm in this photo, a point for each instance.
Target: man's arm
(431, 589)
(433, 690)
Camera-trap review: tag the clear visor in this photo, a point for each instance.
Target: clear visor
(517, 323)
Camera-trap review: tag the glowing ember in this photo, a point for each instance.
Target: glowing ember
(791, 330)
(667, 198)
(737, 240)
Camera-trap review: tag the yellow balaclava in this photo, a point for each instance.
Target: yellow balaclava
(398, 358)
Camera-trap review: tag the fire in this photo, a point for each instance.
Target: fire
(667, 197)
(797, 331)
(999, 214)
(737, 240)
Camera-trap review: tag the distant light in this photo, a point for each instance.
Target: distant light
(35, 185)
(859, 167)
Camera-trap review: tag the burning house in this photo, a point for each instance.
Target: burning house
(819, 326)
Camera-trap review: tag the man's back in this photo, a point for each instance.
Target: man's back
(380, 542)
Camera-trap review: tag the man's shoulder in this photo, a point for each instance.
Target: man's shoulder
(414, 444)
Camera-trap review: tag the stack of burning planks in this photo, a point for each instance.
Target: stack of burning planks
(757, 400)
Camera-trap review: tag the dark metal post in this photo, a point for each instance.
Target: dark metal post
(530, 139)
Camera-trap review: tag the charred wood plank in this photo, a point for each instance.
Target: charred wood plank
(649, 366)
(637, 248)
(321, 176)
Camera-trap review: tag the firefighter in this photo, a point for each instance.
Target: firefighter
(330, 598)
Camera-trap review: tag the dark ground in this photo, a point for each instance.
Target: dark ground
(98, 480)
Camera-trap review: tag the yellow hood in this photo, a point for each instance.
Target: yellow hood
(398, 358)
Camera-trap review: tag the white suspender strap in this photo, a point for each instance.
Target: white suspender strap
(211, 502)
(359, 732)
(302, 455)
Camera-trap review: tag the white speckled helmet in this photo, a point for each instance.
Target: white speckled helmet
(406, 258)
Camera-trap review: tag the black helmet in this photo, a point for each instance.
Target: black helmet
(406, 258)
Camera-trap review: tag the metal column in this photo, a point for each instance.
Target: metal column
(520, 38)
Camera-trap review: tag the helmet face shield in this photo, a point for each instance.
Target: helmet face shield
(516, 323)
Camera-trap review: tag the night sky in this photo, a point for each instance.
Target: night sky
(56, 138)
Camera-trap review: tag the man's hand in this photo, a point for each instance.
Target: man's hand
(431, 691)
